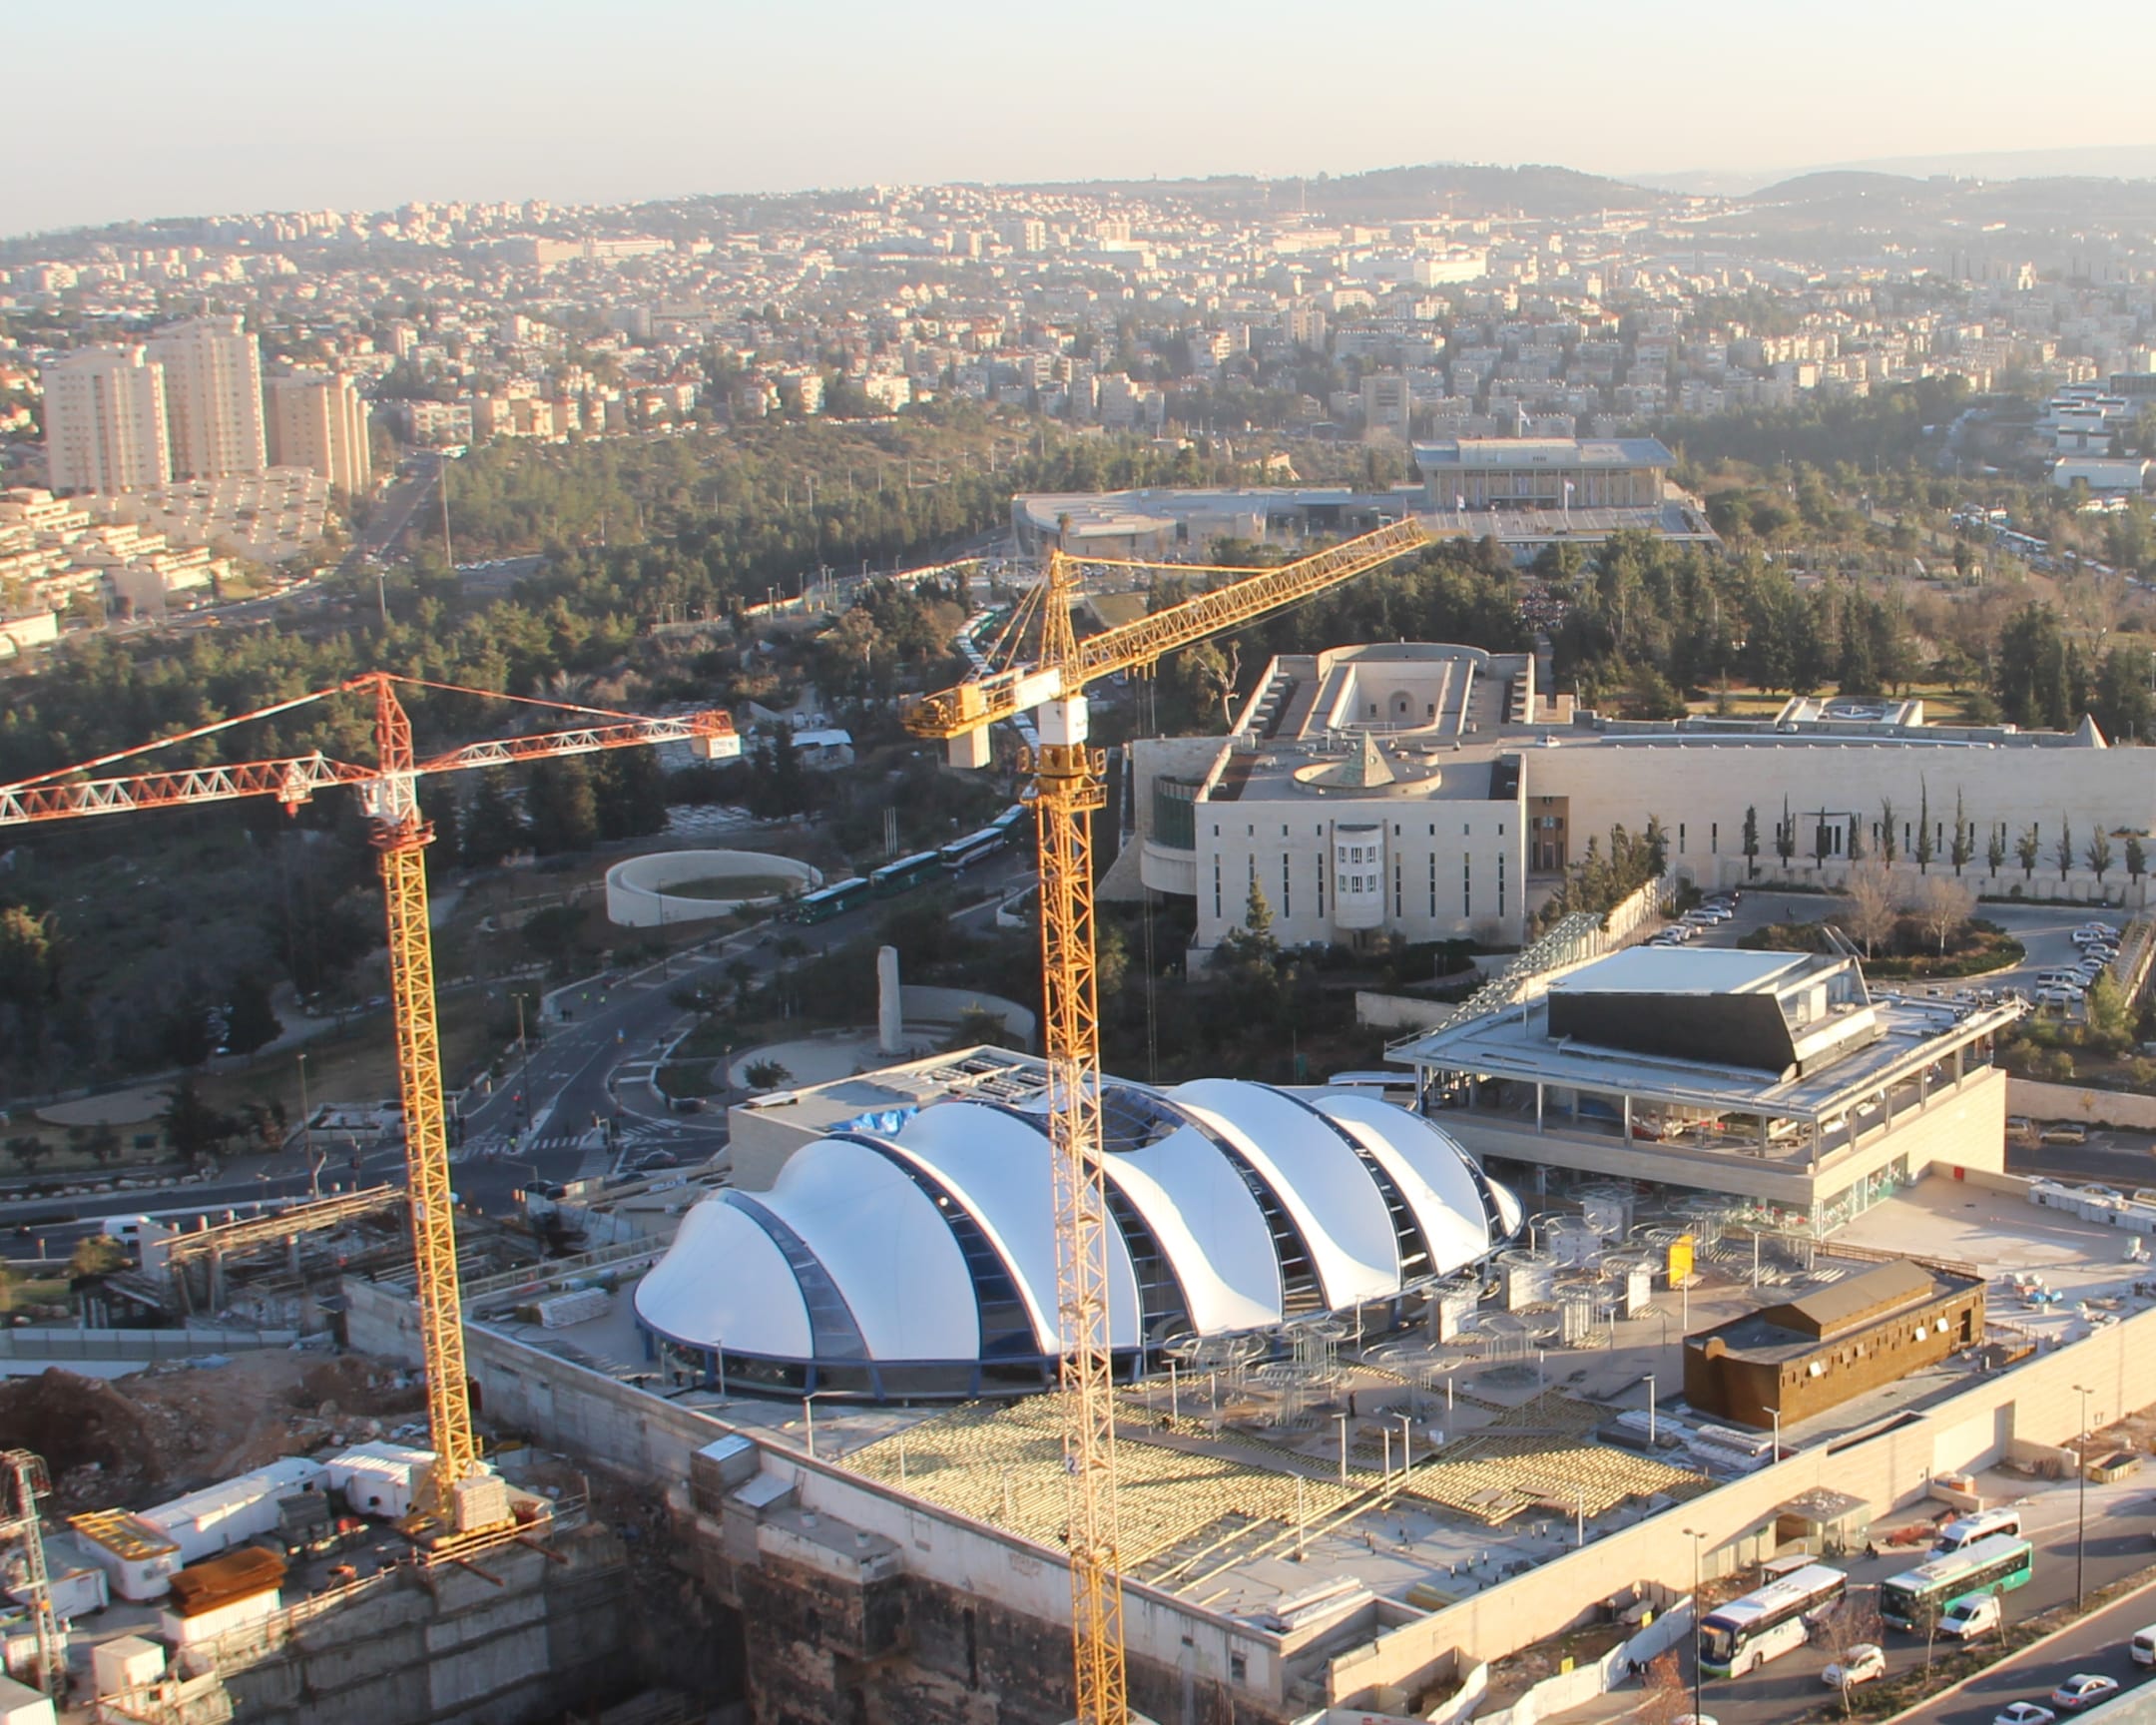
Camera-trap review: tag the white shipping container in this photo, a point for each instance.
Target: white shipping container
(380, 1478)
(130, 1663)
(217, 1517)
(22, 1705)
(221, 1620)
(137, 1558)
(75, 1592)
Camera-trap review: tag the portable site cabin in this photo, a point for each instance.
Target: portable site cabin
(222, 1595)
(138, 1558)
(217, 1517)
(380, 1478)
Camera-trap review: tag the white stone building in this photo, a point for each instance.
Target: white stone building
(104, 424)
(214, 397)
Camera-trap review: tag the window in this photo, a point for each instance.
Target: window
(1713, 838)
(1286, 887)
(1500, 883)
(1321, 885)
(1680, 839)
(1396, 888)
(1215, 886)
(1433, 885)
(1466, 885)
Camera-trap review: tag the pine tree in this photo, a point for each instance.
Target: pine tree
(1965, 838)
(1751, 841)
(1923, 851)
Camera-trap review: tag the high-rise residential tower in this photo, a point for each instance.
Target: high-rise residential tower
(212, 397)
(318, 422)
(105, 421)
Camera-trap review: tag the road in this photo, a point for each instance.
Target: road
(573, 1081)
(2121, 1528)
(2096, 1644)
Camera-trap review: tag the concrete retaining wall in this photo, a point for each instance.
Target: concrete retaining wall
(927, 1005)
(2041, 1101)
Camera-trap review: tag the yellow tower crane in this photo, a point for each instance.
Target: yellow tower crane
(464, 1506)
(1067, 779)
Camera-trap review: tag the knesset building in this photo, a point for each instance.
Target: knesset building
(1777, 1078)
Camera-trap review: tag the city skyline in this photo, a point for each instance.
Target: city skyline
(666, 100)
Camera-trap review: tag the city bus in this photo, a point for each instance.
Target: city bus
(1920, 1598)
(827, 902)
(1015, 824)
(1766, 1622)
(961, 853)
(906, 873)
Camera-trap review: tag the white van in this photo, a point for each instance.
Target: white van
(2143, 1646)
(1965, 1530)
(1967, 1618)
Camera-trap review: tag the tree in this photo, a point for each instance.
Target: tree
(192, 1126)
(1668, 1700)
(2110, 1014)
(2097, 855)
(1922, 849)
(1821, 844)
(1944, 905)
(187, 1039)
(1964, 850)
(742, 974)
(252, 1021)
(2028, 852)
(1872, 912)
(631, 798)
(564, 806)
(767, 1075)
(95, 1255)
(29, 959)
(1656, 839)
(1751, 841)
(2062, 853)
(1852, 1621)
(26, 1150)
(1889, 844)
(1785, 838)
(1995, 850)
(493, 830)
(2136, 858)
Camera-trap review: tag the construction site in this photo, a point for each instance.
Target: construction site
(994, 1388)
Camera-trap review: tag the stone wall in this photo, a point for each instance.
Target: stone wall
(2078, 1102)
(526, 1639)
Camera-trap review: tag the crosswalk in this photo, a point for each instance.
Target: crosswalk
(489, 1146)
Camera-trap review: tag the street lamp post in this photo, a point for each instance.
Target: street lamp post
(1343, 1418)
(306, 1131)
(2081, 1503)
(1698, 1712)
(1649, 1411)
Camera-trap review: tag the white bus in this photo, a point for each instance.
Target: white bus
(1767, 1622)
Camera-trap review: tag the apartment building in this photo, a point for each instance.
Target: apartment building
(212, 397)
(105, 421)
(317, 420)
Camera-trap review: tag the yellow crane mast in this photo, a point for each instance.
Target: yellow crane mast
(1067, 779)
(464, 1506)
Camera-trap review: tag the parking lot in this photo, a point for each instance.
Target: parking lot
(2045, 931)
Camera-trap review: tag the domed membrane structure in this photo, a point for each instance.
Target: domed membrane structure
(920, 1261)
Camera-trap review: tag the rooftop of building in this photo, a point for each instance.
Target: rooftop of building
(1797, 1328)
(1506, 452)
(1838, 1061)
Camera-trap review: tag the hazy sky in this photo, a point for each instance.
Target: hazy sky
(124, 108)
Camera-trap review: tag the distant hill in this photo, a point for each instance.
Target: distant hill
(1382, 194)
(1833, 185)
(2121, 162)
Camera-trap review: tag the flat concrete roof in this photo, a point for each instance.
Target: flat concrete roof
(1514, 1042)
(1675, 971)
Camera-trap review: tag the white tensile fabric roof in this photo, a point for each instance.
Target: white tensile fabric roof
(891, 1247)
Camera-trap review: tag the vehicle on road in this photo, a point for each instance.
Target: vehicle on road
(972, 848)
(1921, 1596)
(1767, 1621)
(906, 873)
(1862, 1663)
(2024, 1713)
(2020, 1129)
(2063, 1133)
(2142, 1648)
(1966, 1620)
(1965, 1530)
(2082, 1690)
(827, 901)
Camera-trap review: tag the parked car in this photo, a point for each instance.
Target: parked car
(2020, 1128)
(2064, 1132)
(1861, 1664)
(2058, 994)
(2083, 1689)
(2024, 1713)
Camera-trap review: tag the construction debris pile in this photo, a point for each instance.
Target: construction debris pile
(179, 1427)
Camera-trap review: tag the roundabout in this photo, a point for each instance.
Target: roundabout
(666, 887)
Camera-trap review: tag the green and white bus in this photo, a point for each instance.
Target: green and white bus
(1919, 1599)
(1769, 1621)
(827, 902)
